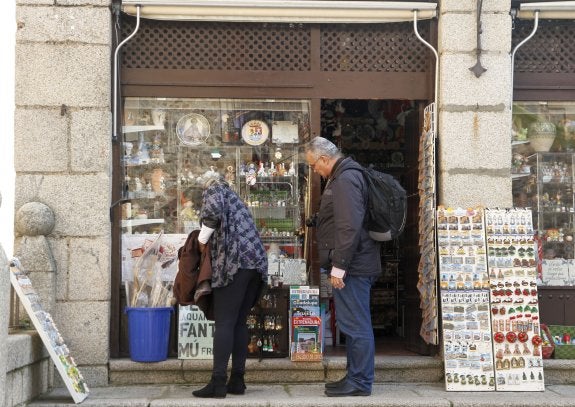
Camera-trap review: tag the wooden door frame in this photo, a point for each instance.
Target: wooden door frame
(312, 85)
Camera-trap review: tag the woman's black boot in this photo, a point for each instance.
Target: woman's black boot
(216, 388)
(236, 384)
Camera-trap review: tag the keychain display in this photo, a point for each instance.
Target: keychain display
(514, 301)
(464, 283)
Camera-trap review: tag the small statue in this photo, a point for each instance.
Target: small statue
(128, 147)
(230, 175)
(261, 170)
(143, 153)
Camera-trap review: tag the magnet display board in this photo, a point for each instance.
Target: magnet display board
(49, 334)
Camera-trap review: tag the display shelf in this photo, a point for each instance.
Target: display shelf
(548, 191)
(136, 129)
(129, 224)
(515, 176)
(268, 325)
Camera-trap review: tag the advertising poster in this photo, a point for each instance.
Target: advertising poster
(195, 334)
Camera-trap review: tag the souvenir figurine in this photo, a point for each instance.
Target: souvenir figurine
(157, 152)
(128, 150)
(261, 170)
(230, 175)
(143, 153)
(158, 117)
(251, 174)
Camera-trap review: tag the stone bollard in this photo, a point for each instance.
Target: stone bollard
(4, 318)
(34, 221)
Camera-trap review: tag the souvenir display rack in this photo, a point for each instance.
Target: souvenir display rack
(427, 267)
(464, 285)
(516, 329)
(491, 329)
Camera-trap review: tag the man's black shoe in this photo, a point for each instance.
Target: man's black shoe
(337, 384)
(346, 390)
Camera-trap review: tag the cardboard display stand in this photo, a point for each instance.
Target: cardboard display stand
(49, 334)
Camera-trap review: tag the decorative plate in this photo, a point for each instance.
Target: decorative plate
(255, 132)
(193, 129)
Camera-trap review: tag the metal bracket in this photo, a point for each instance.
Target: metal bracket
(477, 69)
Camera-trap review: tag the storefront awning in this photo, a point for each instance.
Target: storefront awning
(548, 10)
(278, 11)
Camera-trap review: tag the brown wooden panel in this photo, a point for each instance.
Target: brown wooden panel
(556, 305)
(330, 85)
(544, 86)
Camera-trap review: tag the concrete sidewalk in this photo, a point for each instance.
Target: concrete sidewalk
(303, 395)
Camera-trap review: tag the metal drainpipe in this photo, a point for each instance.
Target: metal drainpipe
(116, 52)
(428, 45)
(535, 26)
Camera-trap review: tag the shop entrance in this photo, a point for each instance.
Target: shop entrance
(384, 134)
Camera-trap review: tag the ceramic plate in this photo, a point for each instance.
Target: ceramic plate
(193, 129)
(255, 132)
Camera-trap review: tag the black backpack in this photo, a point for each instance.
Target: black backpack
(387, 205)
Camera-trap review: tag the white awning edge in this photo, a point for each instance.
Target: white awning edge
(270, 11)
(551, 10)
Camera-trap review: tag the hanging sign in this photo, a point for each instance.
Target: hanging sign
(49, 334)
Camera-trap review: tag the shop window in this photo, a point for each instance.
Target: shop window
(171, 145)
(543, 163)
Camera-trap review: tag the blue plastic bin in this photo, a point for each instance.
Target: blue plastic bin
(149, 333)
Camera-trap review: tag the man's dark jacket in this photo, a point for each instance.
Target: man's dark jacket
(343, 239)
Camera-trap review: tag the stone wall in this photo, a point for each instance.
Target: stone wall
(4, 317)
(63, 160)
(474, 113)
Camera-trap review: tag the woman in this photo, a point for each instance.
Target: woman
(239, 270)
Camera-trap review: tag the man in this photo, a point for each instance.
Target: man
(352, 257)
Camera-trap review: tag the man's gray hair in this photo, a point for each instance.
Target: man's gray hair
(322, 146)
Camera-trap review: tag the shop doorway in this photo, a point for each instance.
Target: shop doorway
(384, 134)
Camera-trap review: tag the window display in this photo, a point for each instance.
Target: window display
(171, 145)
(543, 144)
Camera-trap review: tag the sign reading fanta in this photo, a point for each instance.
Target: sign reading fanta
(195, 334)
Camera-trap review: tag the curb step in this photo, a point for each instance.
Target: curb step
(388, 369)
